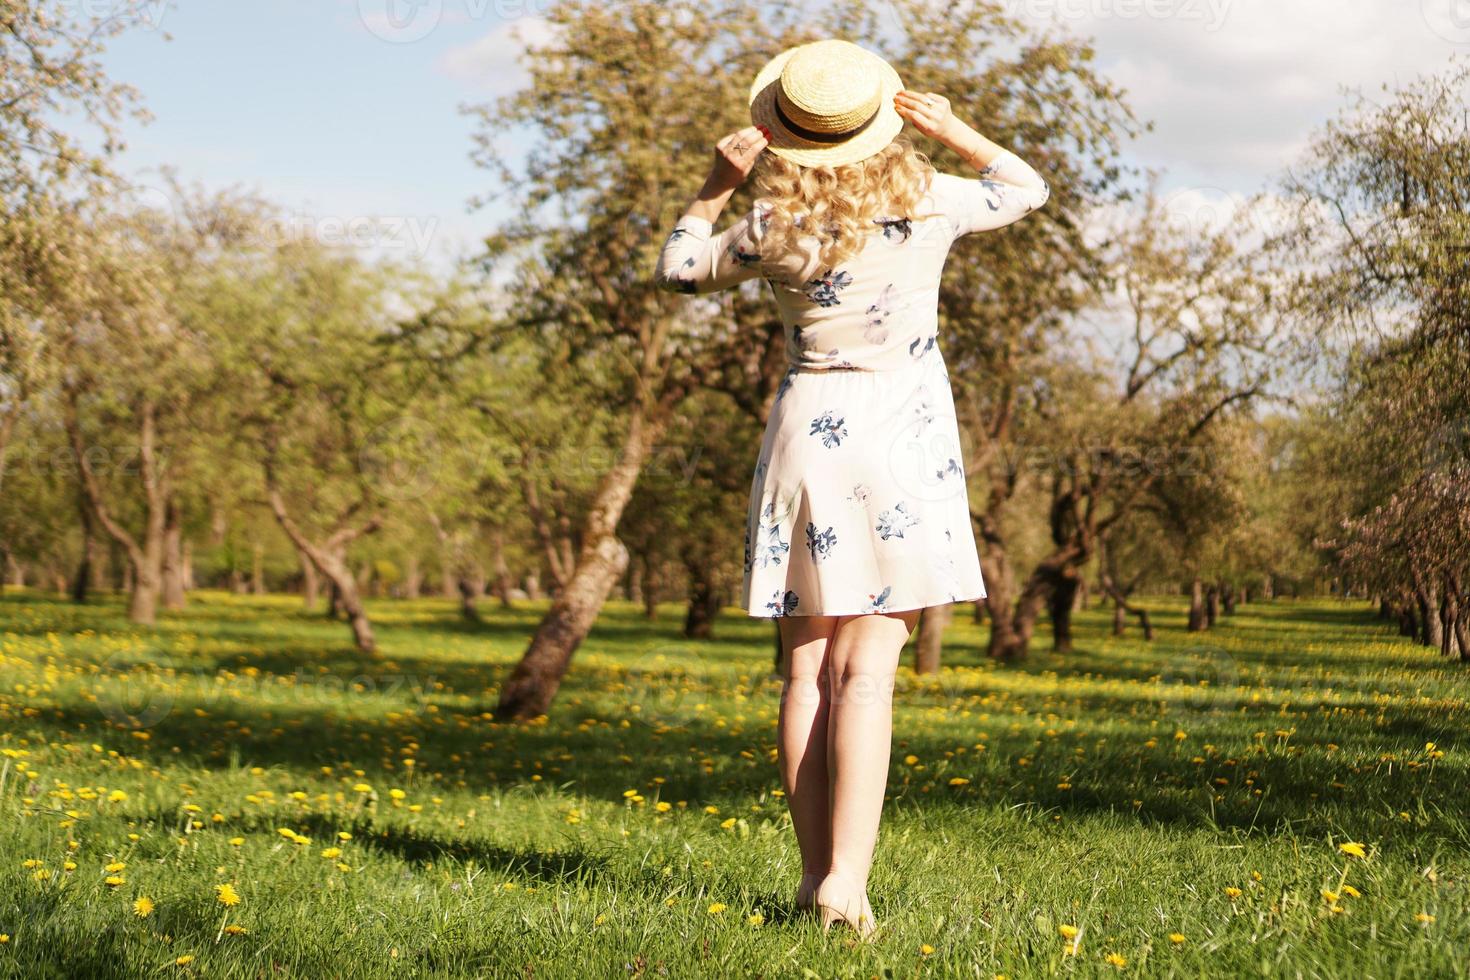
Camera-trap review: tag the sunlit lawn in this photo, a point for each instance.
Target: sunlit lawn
(1179, 805)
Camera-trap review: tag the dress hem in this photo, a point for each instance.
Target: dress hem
(864, 612)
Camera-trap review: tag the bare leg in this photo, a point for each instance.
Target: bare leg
(862, 663)
(801, 742)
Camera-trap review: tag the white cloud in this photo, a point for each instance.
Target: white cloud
(492, 63)
(1236, 87)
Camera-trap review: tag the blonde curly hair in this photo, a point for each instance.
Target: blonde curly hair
(836, 205)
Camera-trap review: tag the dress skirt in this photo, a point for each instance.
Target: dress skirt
(858, 503)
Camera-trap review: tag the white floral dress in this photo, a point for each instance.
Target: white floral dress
(858, 501)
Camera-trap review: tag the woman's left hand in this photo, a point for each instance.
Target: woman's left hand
(735, 155)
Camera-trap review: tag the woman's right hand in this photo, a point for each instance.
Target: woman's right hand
(928, 112)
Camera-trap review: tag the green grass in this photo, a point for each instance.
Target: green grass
(1120, 790)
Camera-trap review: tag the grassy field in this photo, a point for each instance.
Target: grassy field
(1175, 809)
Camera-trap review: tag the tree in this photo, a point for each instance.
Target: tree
(646, 89)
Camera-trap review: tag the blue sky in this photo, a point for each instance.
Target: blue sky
(347, 110)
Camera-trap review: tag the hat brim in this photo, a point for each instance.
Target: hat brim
(784, 143)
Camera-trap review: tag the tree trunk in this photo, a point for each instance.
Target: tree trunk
(1000, 586)
(635, 580)
(1059, 604)
(448, 572)
(704, 604)
(1196, 605)
(467, 597)
(533, 684)
(310, 581)
(413, 578)
(929, 645)
(503, 581)
(145, 556)
(1428, 594)
(173, 560)
(1120, 618)
(650, 589)
(1212, 606)
(83, 579)
(349, 600)
(1227, 598)
(1448, 613)
(330, 557)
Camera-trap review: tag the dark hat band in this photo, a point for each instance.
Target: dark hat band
(819, 137)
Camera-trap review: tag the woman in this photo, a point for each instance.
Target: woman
(858, 513)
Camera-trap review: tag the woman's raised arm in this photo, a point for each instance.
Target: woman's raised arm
(1006, 187)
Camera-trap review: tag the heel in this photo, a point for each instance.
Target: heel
(846, 904)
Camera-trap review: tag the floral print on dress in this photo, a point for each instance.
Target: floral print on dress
(831, 428)
(741, 256)
(770, 549)
(922, 345)
(860, 495)
(879, 603)
(875, 330)
(894, 521)
(786, 381)
(823, 289)
(783, 603)
(896, 230)
(819, 543)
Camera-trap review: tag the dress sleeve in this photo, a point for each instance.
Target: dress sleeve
(694, 260)
(1004, 192)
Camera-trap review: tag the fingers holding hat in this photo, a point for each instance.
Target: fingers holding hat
(735, 155)
(928, 112)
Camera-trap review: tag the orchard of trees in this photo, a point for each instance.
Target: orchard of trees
(192, 395)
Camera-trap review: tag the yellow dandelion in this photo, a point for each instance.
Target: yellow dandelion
(114, 880)
(1352, 850)
(755, 919)
(1351, 892)
(1424, 917)
(1233, 892)
(143, 906)
(1115, 960)
(237, 842)
(1176, 938)
(959, 781)
(226, 894)
(727, 823)
(926, 950)
(331, 852)
(184, 960)
(717, 908)
(115, 867)
(1068, 932)
(234, 930)
(1329, 896)
(663, 806)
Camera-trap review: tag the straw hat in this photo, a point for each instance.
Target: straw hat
(826, 102)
